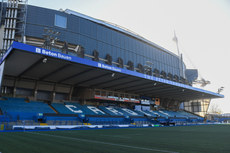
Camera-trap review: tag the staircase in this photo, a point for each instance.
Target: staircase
(53, 109)
(16, 12)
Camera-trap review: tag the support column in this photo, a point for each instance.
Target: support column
(36, 90)
(15, 89)
(70, 94)
(54, 93)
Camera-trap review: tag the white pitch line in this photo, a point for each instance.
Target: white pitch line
(107, 143)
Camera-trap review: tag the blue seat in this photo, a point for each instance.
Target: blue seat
(86, 109)
(111, 111)
(74, 108)
(22, 106)
(61, 108)
(128, 112)
(92, 110)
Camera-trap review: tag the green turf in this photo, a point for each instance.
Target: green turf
(200, 139)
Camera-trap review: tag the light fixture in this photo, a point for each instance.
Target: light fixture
(113, 74)
(50, 38)
(44, 60)
(77, 49)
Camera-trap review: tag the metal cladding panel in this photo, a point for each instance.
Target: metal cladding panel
(41, 16)
(45, 86)
(10, 82)
(26, 84)
(73, 23)
(34, 30)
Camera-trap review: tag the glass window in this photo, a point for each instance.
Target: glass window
(126, 95)
(110, 93)
(97, 92)
(103, 93)
(116, 94)
(60, 21)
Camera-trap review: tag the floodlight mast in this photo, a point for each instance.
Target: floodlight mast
(202, 82)
(180, 63)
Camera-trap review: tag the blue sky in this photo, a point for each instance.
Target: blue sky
(202, 27)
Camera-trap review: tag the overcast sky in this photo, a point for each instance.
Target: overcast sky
(202, 28)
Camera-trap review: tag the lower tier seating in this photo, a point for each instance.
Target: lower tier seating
(19, 109)
(19, 106)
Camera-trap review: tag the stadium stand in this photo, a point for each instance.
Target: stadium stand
(89, 75)
(21, 112)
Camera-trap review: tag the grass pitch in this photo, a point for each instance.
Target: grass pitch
(183, 139)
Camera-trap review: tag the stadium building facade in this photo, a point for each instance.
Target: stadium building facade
(57, 55)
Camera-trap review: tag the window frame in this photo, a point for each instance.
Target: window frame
(57, 22)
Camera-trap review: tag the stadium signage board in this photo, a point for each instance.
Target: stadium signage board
(54, 54)
(112, 68)
(145, 102)
(116, 99)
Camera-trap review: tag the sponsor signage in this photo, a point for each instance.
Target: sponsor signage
(116, 99)
(145, 102)
(108, 67)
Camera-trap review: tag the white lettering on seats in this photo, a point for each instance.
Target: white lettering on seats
(114, 111)
(74, 109)
(95, 109)
(129, 111)
(145, 113)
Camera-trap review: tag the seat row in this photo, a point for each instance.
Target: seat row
(19, 107)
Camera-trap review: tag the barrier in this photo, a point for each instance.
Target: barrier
(54, 127)
(2, 127)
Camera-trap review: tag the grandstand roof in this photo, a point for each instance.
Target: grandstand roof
(25, 61)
